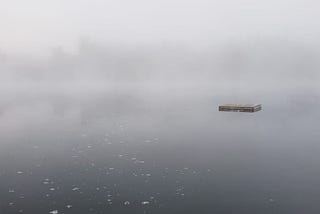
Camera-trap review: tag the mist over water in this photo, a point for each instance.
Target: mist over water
(121, 153)
(125, 119)
(231, 67)
(136, 129)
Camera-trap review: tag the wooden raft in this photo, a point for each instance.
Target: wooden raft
(240, 108)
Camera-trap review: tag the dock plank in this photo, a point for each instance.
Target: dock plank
(240, 107)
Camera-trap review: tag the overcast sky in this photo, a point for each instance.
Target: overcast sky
(31, 26)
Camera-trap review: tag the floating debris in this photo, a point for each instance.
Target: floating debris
(240, 108)
(145, 202)
(54, 212)
(139, 161)
(127, 203)
(69, 206)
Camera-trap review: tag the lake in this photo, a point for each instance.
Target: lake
(122, 153)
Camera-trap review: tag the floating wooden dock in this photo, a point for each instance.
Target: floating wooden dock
(240, 108)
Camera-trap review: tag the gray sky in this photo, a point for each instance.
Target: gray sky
(35, 26)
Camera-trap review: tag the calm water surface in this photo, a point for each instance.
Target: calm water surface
(127, 154)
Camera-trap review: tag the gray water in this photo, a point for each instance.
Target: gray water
(119, 153)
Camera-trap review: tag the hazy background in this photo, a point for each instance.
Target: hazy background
(93, 45)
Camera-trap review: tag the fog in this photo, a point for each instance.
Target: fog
(112, 106)
(233, 67)
(191, 46)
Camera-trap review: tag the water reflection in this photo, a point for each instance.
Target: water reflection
(120, 153)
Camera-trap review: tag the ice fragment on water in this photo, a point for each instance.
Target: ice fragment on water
(145, 202)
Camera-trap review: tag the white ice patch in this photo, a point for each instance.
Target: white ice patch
(145, 202)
